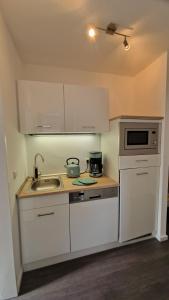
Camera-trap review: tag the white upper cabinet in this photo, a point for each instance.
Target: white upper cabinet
(86, 109)
(53, 108)
(41, 107)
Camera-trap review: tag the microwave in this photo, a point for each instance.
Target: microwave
(139, 138)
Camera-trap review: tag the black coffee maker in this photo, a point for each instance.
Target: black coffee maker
(95, 164)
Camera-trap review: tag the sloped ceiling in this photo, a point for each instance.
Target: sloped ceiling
(53, 32)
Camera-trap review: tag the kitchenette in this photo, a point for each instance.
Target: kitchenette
(84, 152)
(92, 183)
(57, 223)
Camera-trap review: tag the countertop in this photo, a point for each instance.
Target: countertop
(102, 182)
(138, 117)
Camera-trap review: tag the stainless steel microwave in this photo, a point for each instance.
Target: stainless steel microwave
(139, 138)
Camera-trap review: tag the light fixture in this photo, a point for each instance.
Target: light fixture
(126, 44)
(111, 29)
(92, 32)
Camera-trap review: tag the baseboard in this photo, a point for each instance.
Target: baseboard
(19, 279)
(162, 238)
(73, 255)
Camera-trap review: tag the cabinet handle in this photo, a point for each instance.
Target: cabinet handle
(141, 160)
(143, 173)
(95, 197)
(43, 126)
(47, 214)
(88, 127)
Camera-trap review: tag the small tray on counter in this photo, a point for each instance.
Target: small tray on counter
(84, 181)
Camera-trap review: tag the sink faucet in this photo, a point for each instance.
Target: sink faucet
(36, 173)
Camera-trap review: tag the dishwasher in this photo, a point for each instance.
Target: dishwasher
(93, 217)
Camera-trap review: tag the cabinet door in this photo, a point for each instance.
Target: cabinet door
(93, 223)
(138, 195)
(86, 109)
(41, 107)
(44, 232)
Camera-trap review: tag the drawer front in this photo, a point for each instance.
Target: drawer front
(44, 232)
(43, 201)
(143, 161)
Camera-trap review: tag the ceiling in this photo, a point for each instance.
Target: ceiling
(53, 32)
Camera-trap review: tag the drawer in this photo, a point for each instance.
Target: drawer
(44, 232)
(143, 161)
(43, 201)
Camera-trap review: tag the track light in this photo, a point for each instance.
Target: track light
(126, 44)
(111, 29)
(92, 32)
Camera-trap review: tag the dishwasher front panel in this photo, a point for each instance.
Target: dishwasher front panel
(93, 223)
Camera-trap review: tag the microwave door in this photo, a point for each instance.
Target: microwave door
(137, 139)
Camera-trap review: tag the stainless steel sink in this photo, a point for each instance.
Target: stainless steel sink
(46, 183)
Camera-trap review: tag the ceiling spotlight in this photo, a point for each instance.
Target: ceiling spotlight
(126, 44)
(92, 32)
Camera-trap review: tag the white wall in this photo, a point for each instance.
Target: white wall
(163, 192)
(120, 87)
(149, 89)
(142, 95)
(150, 99)
(7, 270)
(56, 149)
(11, 68)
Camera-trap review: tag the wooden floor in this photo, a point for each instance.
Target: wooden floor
(136, 272)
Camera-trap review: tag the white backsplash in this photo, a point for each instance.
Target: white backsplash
(57, 148)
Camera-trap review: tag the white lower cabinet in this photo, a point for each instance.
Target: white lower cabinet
(50, 226)
(44, 232)
(93, 223)
(138, 200)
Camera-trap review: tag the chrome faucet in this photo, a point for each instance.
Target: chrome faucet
(36, 172)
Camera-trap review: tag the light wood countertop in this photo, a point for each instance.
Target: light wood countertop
(137, 117)
(67, 186)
